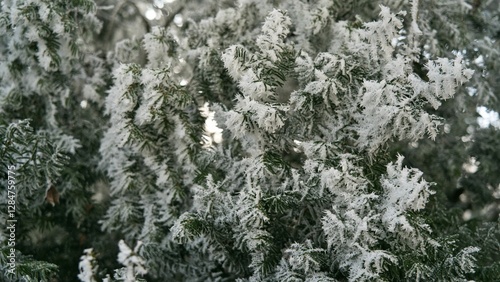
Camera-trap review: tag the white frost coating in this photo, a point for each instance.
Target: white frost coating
(87, 267)
(352, 238)
(376, 114)
(445, 75)
(43, 11)
(387, 110)
(67, 143)
(133, 263)
(275, 29)
(234, 65)
(301, 257)
(265, 116)
(379, 34)
(213, 134)
(396, 69)
(387, 106)
(422, 88)
(158, 44)
(32, 34)
(253, 87)
(115, 103)
(398, 179)
(330, 178)
(319, 19)
(177, 230)
(236, 124)
(90, 93)
(212, 196)
(43, 56)
(152, 98)
(404, 190)
(414, 12)
(304, 67)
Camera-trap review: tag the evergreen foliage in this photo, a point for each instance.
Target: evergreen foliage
(284, 140)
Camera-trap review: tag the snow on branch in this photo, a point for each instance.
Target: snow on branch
(404, 190)
(394, 107)
(87, 266)
(275, 29)
(134, 264)
(379, 34)
(445, 75)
